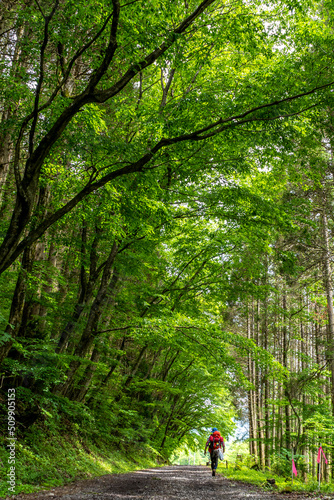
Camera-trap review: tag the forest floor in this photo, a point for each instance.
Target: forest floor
(165, 483)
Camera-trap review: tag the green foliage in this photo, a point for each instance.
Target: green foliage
(281, 463)
(284, 484)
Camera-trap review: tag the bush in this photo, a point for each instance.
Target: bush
(282, 462)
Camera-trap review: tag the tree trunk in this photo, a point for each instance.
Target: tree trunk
(89, 333)
(285, 345)
(251, 392)
(18, 301)
(88, 375)
(327, 278)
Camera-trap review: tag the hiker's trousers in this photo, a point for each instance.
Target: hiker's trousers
(214, 459)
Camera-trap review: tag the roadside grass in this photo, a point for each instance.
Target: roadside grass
(259, 478)
(54, 460)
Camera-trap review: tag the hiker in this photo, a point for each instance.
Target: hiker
(215, 443)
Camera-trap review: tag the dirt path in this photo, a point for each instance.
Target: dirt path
(165, 483)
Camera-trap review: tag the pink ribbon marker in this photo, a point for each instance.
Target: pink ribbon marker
(319, 455)
(294, 470)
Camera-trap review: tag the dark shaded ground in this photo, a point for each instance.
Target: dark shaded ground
(165, 483)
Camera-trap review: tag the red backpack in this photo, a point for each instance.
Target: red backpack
(216, 440)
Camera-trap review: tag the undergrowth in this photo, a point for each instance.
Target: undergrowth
(243, 473)
(67, 441)
(54, 460)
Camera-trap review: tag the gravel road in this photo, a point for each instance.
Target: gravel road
(165, 483)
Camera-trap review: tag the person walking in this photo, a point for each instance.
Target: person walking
(215, 443)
